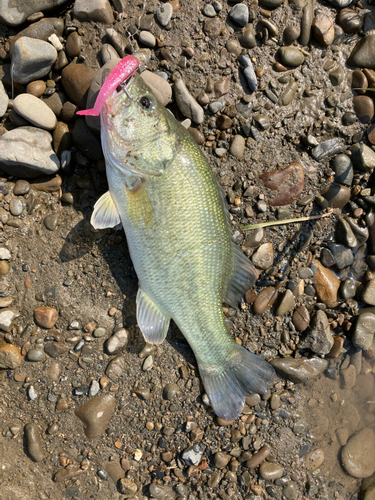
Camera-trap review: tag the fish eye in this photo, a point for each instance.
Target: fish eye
(146, 103)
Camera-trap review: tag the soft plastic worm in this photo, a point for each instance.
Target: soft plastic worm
(121, 72)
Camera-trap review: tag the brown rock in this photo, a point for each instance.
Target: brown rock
(221, 459)
(314, 459)
(336, 195)
(64, 474)
(77, 80)
(258, 457)
(288, 182)
(212, 27)
(363, 108)
(10, 357)
(221, 87)
(349, 20)
(338, 343)
(326, 285)
(73, 45)
(45, 316)
(49, 185)
(323, 28)
(358, 455)
(36, 88)
(223, 122)
(95, 414)
(263, 257)
(359, 81)
(301, 318)
(371, 133)
(264, 299)
(62, 138)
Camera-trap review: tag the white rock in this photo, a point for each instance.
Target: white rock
(7, 316)
(164, 14)
(54, 39)
(4, 100)
(15, 12)
(186, 103)
(35, 111)
(32, 59)
(147, 39)
(4, 254)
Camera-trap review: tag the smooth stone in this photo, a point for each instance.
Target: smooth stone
(51, 221)
(7, 316)
(147, 39)
(247, 38)
(159, 86)
(336, 350)
(86, 141)
(21, 187)
(363, 157)
(319, 338)
(359, 81)
(255, 238)
(117, 342)
(221, 87)
(340, 3)
(288, 94)
(73, 45)
(271, 4)
(239, 14)
(164, 14)
(265, 298)
(263, 257)
(98, 11)
(327, 149)
(343, 256)
(61, 61)
(108, 53)
(237, 146)
(299, 370)
(41, 30)
(358, 455)
(233, 47)
(286, 304)
(291, 56)
(336, 76)
(368, 294)
(363, 108)
(349, 118)
(349, 20)
(291, 34)
(314, 459)
(371, 133)
(326, 285)
(362, 54)
(10, 356)
(32, 59)
(345, 234)
(323, 28)
(197, 135)
(306, 22)
(15, 12)
(290, 492)
(336, 195)
(186, 102)
(364, 330)
(250, 76)
(16, 207)
(4, 100)
(287, 182)
(367, 490)
(348, 289)
(212, 27)
(45, 316)
(4, 268)
(35, 111)
(343, 168)
(34, 444)
(62, 138)
(258, 457)
(96, 414)
(27, 152)
(6, 302)
(76, 80)
(301, 318)
(35, 355)
(55, 349)
(170, 391)
(270, 471)
(116, 368)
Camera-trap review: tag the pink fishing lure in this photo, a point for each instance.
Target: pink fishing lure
(121, 72)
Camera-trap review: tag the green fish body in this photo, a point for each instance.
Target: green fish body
(164, 193)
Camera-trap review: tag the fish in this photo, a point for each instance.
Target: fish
(177, 225)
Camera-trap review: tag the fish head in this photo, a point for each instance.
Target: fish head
(137, 136)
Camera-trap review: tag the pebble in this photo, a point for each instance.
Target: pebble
(363, 334)
(271, 4)
(265, 298)
(4, 268)
(358, 455)
(255, 238)
(34, 443)
(27, 152)
(349, 376)
(98, 11)
(291, 34)
(76, 80)
(323, 27)
(326, 285)
(363, 157)
(286, 304)
(258, 457)
(233, 47)
(221, 459)
(45, 316)
(247, 38)
(291, 56)
(263, 257)
(336, 195)
(327, 149)
(299, 370)
(10, 357)
(368, 294)
(186, 102)
(363, 108)
(343, 168)
(115, 368)
(314, 459)
(32, 59)
(35, 355)
(55, 349)
(343, 256)
(212, 27)
(359, 81)
(21, 188)
(164, 14)
(16, 207)
(301, 318)
(159, 86)
(319, 338)
(239, 14)
(237, 146)
(348, 289)
(4, 100)
(170, 391)
(35, 111)
(362, 53)
(288, 183)
(336, 76)
(117, 342)
(7, 316)
(349, 20)
(148, 363)
(73, 45)
(270, 471)
(251, 78)
(96, 414)
(288, 94)
(147, 39)
(66, 474)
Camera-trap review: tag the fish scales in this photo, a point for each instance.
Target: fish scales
(172, 209)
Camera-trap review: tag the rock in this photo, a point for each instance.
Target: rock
(363, 108)
(319, 338)
(4, 266)
(96, 414)
(127, 487)
(247, 37)
(263, 257)
(221, 459)
(27, 152)
(170, 391)
(288, 183)
(159, 86)
(34, 442)
(35, 355)
(164, 14)
(15, 12)
(343, 168)
(192, 455)
(336, 76)
(233, 47)
(66, 474)
(336, 195)
(363, 335)
(86, 141)
(76, 80)
(324, 28)
(363, 157)
(41, 30)
(306, 22)
(271, 4)
(314, 459)
(299, 370)
(32, 59)
(368, 294)
(212, 27)
(349, 376)
(265, 298)
(343, 256)
(239, 14)
(62, 138)
(349, 20)
(16, 207)
(21, 187)
(301, 318)
(237, 146)
(362, 53)
(327, 149)
(4, 252)
(45, 316)
(98, 11)
(291, 34)
(115, 368)
(35, 111)
(73, 45)
(358, 455)
(55, 349)
(270, 471)
(10, 356)
(287, 95)
(147, 39)
(117, 342)
(108, 53)
(291, 56)
(7, 316)
(186, 102)
(326, 285)
(258, 457)
(286, 304)
(51, 221)
(4, 100)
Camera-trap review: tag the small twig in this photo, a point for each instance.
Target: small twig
(287, 221)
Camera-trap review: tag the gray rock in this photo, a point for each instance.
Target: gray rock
(32, 59)
(117, 342)
(239, 14)
(364, 330)
(299, 370)
(107, 53)
(15, 12)
(319, 338)
(340, 3)
(27, 152)
(209, 10)
(362, 55)
(15, 207)
(291, 56)
(93, 10)
(327, 149)
(343, 168)
(363, 157)
(343, 256)
(35, 111)
(192, 455)
(186, 102)
(164, 14)
(368, 294)
(250, 76)
(147, 39)
(4, 99)
(215, 107)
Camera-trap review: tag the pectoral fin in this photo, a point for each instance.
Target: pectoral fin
(152, 322)
(139, 207)
(105, 213)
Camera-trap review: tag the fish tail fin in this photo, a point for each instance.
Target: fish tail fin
(228, 384)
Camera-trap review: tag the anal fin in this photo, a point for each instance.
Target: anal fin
(243, 277)
(152, 322)
(105, 213)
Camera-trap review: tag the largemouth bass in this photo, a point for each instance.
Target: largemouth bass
(163, 191)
